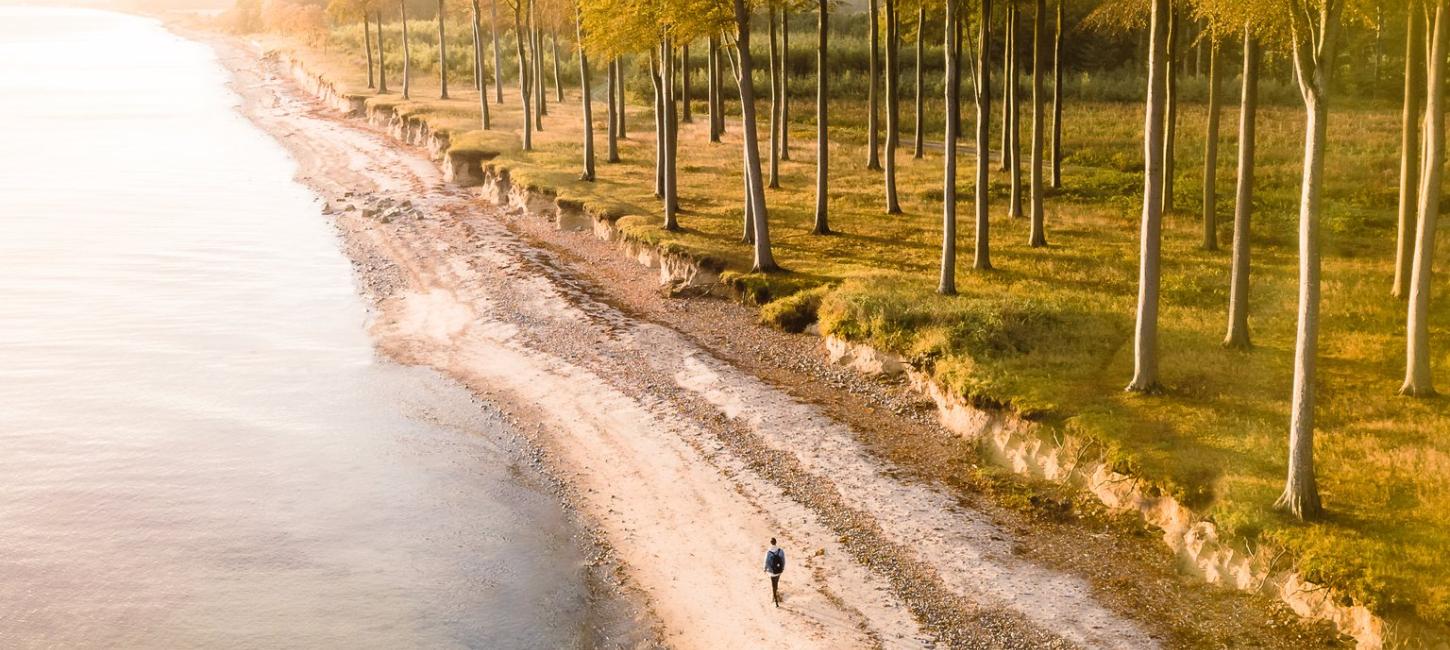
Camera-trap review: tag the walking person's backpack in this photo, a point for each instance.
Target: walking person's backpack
(776, 561)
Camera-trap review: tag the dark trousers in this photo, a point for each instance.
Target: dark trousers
(775, 589)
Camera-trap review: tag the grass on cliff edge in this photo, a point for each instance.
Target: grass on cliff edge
(1048, 333)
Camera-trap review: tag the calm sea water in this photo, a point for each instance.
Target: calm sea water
(198, 445)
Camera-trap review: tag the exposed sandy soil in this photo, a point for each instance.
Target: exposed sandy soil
(687, 436)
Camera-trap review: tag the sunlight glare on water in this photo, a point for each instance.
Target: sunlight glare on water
(198, 445)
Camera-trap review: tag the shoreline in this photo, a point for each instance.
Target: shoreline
(594, 261)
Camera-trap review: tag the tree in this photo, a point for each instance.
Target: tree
(403, 15)
(873, 76)
(1013, 151)
(1038, 234)
(982, 89)
(1145, 339)
(611, 108)
(785, 82)
(497, 55)
(1210, 150)
(524, 90)
(584, 98)
(775, 92)
(1238, 305)
(479, 80)
(917, 143)
(893, 108)
(1170, 123)
(1409, 149)
(442, 55)
(382, 65)
(1009, 79)
(1057, 99)
(947, 283)
(764, 261)
(1314, 28)
(821, 225)
(554, 46)
(685, 81)
(1418, 381)
(712, 88)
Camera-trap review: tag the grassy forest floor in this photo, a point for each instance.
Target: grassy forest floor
(1048, 333)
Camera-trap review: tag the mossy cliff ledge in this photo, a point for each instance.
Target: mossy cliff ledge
(1024, 447)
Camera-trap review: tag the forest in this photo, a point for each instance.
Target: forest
(1196, 237)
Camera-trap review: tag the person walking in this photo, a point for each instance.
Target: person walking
(774, 566)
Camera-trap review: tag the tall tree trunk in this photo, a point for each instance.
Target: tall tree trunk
(368, 46)
(480, 82)
(947, 278)
(785, 83)
(659, 99)
(822, 225)
(619, 85)
(1238, 303)
(774, 103)
(536, 43)
(917, 144)
(1409, 150)
(497, 54)
(1170, 122)
(1057, 100)
(1418, 379)
(764, 259)
(403, 14)
(1014, 125)
(718, 81)
(982, 259)
(382, 63)
(873, 101)
(687, 115)
(1009, 43)
(712, 86)
(1145, 340)
(671, 148)
(554, 46)
(1210, 152)
(1311, 48)
(442, 56)
(524, 90)
(893, 109)
(585, 98)
(612, 150)
(1037, 236)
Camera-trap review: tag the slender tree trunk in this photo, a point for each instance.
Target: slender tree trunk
(1057, 100)
(982, 259)
(1409, 150)
(1238, 304)
(368, 46)
(497, 54)
(822, 225)
(1037, 236)
(774, 103)
(480, 82)
(917, 143)
(785, 84)
(1313, 59)
(442, 56)
(659, 98)
(1210, 153)
(712, 86)
(1009, 43)
(612, 151)
(1014, 125)
(1145, 340)
(554, 46)
(893, 109)
(1170, 124)
(620, 84)
(403, 14)
(524, 90)
(764, 259)
(747, 236)
(382, 63)
(947, 279)
(536, 45)
(585, 98)
(873, 101)
(687, 117)
(718, 81)
(672, 202)
(1418, 379)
